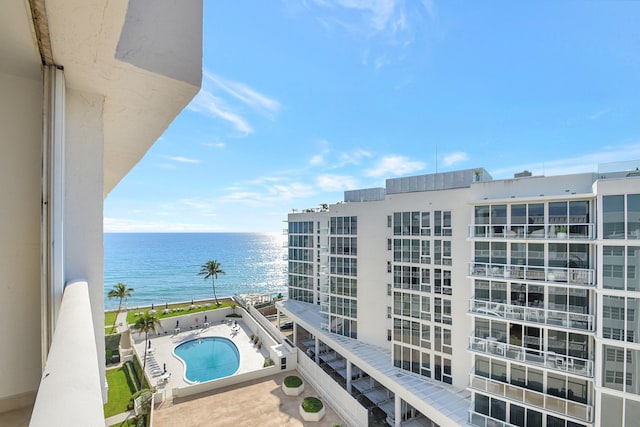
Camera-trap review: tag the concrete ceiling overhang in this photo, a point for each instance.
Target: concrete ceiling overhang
(143, 56)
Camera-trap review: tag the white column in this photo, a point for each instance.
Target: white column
(295, 333)
(349, 376)
(83, 203)
(398, 411)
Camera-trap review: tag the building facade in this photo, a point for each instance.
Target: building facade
(506, 302)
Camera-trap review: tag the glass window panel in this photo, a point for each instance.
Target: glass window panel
(481, 404)
(633, 319)
(518, 214)
(613, 217)
(633, 268)
(558, 255)
(498, 370)
(482, 251)
(482, 214)
(498, 409)
(536, 213)
(535, 252)
(611, 411)
(613, 267)
(556, 385)
(632, 412)
(633, 216)
(518, 375)
(498, 214)
(516, 415)
(554, 421)
(535, 380)
(518, 253)
(558, 213)
(577, 390)
(534, 418)
(613, 370)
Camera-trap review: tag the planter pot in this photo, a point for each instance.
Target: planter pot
(561, 235)
(312, 416)
(292, 391)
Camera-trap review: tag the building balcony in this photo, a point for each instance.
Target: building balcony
(490, 346)
(562, 319)
(285, 231)
(558, 405)
(579, 231)
(560, 275)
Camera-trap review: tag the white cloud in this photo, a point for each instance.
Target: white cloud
(126, 225)
(598, 114)
(453, 158)
(316, 160)
(352, 157)
(394, 166)
(205, 102)
(181, 159)
(215, 144)
(208, 102)
(335, 182)
(244, 93)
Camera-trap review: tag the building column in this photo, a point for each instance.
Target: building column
(349, 375)
(295, 332)
(317, 356)
(398, 411)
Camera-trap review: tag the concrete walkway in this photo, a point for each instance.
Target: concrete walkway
(118, 419)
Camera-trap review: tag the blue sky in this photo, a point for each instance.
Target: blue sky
(303, 99)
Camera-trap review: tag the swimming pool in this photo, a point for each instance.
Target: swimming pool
(208, 358)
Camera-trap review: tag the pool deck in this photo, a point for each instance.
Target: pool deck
(259, 402)
(251, 358)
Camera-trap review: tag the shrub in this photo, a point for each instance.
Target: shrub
(267, 362)
(311, 404)
(233, 315)
(132, 378)
(292, 381)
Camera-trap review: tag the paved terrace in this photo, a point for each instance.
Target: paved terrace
(420, 392)
(259, 402)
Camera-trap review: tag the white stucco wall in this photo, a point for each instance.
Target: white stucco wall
(83, 202)
(20, 164)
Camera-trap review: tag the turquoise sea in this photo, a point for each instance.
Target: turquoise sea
(163, 267)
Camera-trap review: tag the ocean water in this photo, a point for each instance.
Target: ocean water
(164, 267)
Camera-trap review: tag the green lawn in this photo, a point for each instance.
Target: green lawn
(119, 392)
(109, 318)
(180, 309)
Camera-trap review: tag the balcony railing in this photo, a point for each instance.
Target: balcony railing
(70, 388)
(480, 420)
(565, 319)
(285, 231)
(583, 231)
(572, 276)
(565, 407)
(547, 359)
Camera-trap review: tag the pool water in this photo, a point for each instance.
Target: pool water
(208, 358)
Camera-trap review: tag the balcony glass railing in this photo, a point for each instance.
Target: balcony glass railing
(480, 420)
(547, 359)
(532, 231)
(544, 401)
(564, 319)
(572, 276)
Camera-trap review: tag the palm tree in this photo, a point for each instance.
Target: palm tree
(145, 324)
(121, 292)
(212, 269)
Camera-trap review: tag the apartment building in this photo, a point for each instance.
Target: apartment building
(454, 298)
(87, 87)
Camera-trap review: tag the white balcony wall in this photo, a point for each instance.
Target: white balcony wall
(20, 165)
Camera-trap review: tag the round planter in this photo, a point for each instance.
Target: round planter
(292, 391)
(311, 416)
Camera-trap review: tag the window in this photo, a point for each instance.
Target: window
(613, 217)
